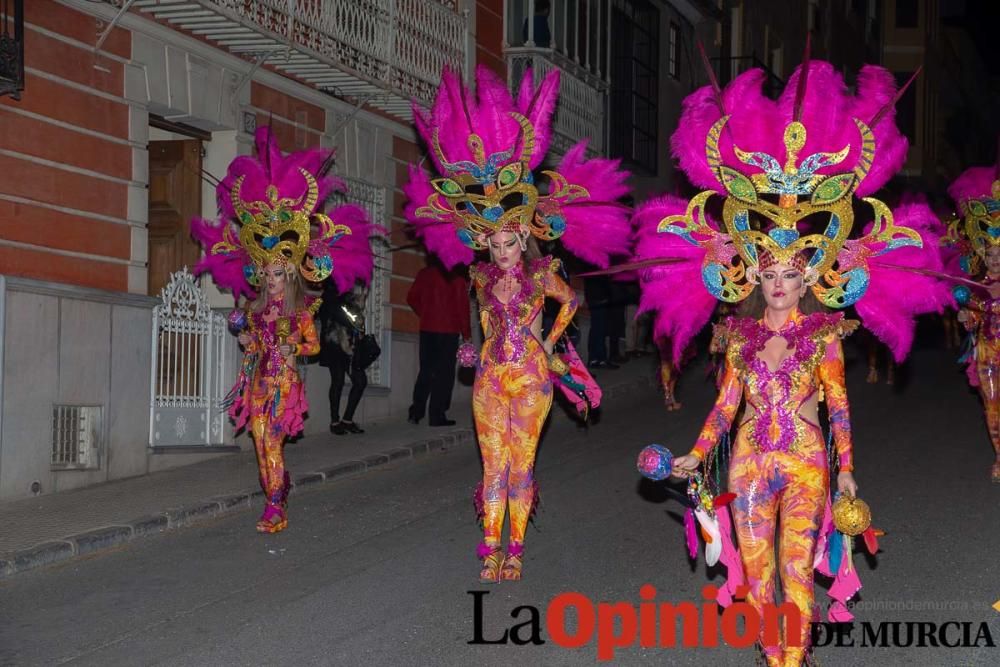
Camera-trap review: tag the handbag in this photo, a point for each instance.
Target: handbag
(366, 351)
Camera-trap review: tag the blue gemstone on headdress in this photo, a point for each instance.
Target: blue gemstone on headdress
(269, 242)
(466, 238)
(493, 213)
(961, 293)
(250, 273)
(557, 223)
(994, 232)
(784, 237)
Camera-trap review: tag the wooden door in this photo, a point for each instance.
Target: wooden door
(174, 198)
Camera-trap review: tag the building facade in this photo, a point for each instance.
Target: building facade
(130, 111)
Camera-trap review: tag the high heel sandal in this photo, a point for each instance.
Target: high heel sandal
(492, 557)
(273, 520)
(511, 570)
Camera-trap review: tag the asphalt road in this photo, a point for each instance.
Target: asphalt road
(377, 570)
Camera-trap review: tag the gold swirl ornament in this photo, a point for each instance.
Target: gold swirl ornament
(851, 515)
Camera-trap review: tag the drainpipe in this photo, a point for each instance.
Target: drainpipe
(3, 336)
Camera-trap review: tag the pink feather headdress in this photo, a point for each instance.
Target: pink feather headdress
(976, 194)
(274, 209)
(486, 147)
(780, 164)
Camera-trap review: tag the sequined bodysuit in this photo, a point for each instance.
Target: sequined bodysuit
(984, 363)
(273, 399)
(512, 392)
(779, 464)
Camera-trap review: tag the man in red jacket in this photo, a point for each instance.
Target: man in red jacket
(441, 301)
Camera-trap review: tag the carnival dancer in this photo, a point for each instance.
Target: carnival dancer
(264, 247)
(486, 147)
(780, 165)
(976, 238)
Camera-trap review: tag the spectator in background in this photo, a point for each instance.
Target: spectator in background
(619, 297)
(441, 301)
(597, 292)
(343, 322)
(542, 34)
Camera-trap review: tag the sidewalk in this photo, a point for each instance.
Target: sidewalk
(51, 528)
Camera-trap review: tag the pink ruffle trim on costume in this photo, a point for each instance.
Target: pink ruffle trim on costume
(846, 582)
(730, 557)
(293, 410)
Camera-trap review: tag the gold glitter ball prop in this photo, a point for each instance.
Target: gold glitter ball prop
(851, 516)
(557, 365)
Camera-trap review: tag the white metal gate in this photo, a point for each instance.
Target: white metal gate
(191, 367)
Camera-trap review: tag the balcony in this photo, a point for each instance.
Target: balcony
(573, 38)
(12, 48)
(384, 52)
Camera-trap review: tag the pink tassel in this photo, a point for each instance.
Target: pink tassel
(691, 534)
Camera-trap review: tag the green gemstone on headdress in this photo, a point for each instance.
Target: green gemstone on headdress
(508, 176)
(246, 217)
(450, 187)
(832, 189)
(741, 189)
(285, 215)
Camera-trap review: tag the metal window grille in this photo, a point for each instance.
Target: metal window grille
(76, 436)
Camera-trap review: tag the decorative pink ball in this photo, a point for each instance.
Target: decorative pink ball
(237, 321)
(655, 462)
(467, 356)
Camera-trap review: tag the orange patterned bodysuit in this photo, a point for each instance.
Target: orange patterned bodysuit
(273, 399)
(779, 463)
(512, 392)
(984, 366)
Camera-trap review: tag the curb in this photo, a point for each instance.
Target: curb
(93, 541)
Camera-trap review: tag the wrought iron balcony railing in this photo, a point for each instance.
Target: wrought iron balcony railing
(572, 37)
(580, 113)
(12, 48)
(383, 51)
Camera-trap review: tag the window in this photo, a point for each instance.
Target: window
(907, 13)
(635, 91)
(906, 107)
(674, 63)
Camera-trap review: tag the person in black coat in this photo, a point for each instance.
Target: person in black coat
(342, 320)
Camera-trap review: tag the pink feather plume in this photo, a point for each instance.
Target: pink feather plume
(674, 292)
(351, 253)
(757, 123)
(895, 296)
(226, 270)
(598, 228)
(974, 182)
(438, 236)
